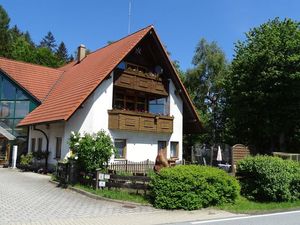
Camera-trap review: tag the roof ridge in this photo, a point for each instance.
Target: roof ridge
(28, 63)
(54, 85)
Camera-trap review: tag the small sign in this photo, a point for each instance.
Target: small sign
(101, 183)
(101, 176)
(106, 176)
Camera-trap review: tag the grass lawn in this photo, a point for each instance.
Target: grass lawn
(243, 205)
(116, 194)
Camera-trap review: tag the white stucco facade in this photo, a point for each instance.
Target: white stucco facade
(93, 116)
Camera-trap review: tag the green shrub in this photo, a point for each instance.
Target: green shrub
(267, 178)
(192, 187)
(92, 150)
(26, 160)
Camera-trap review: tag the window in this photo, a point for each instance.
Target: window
(130, 101)
(174, 149)
(8, 90)
(162, 147)
(157, 106)
(7, 109)
(58, 148)
(40, 144)
(120, 145)
(33, 144)
(22, 109)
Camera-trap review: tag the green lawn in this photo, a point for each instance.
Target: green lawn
(116, 194)
(243, 205)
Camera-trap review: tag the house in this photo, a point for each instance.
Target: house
(128, 88)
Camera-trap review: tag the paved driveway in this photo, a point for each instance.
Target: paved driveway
(29, 198)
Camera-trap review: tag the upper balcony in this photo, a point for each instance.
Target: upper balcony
(140, 79)
(139, 121)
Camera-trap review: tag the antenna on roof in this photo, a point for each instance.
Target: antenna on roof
(129, 16)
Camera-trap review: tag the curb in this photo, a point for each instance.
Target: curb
(96, 197)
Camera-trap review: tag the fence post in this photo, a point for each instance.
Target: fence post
(126, 166)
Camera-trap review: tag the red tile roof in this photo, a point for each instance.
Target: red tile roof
(37, 80)
(79, 81)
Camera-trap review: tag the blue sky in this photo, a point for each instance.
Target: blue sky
(179, 23)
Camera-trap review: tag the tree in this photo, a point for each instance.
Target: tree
(5, 40)
(49, 42)
(204, 83)
(263, 87)
(62, 53)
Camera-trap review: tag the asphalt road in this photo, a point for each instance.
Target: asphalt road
(282, 218)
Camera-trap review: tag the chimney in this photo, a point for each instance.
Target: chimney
(81, 53)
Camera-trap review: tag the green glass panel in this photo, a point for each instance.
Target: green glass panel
(8, 90)
(7, 109)
(22, 109)
(21, 95)
(19, 131)
(7, 124)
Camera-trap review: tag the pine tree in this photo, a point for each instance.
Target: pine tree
(49, 42)
(62, 53)
(5, 40)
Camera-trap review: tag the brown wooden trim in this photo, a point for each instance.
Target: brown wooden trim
(136, 121)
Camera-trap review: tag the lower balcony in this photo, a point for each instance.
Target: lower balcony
(138, 121)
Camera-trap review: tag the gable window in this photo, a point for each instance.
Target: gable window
(174, 149)
(33, 140)
(40, 144)
(120, 145)
(58, 148)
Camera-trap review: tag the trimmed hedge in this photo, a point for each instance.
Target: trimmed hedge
(192, 187)
(268, 178)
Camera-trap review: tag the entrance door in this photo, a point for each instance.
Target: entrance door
(162, 147)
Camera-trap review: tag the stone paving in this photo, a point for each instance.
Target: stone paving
(29, 198)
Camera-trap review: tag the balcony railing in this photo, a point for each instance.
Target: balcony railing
(137, 121)
(140, 81)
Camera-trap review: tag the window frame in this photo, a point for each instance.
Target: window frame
(176, 149)
(58, 146)
(33, 144)
(40, 144)
(124, 151)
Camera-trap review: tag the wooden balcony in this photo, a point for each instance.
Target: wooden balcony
(140, 81)
(136, 121)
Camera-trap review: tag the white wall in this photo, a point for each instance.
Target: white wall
(53, 131)
(93, 115)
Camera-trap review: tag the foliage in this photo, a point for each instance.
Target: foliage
(39, 155)
(18, 45)
(26, 160)
(244, 205)
(262, 89)
(49, 42)
(4, 33)
(204, 83)
(62, 52)
(117, 194)
(267, 178)
(93, 150)
(192, 187)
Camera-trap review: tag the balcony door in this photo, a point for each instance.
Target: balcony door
(162, 147)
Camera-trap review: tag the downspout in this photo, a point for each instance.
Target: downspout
(47, 146)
